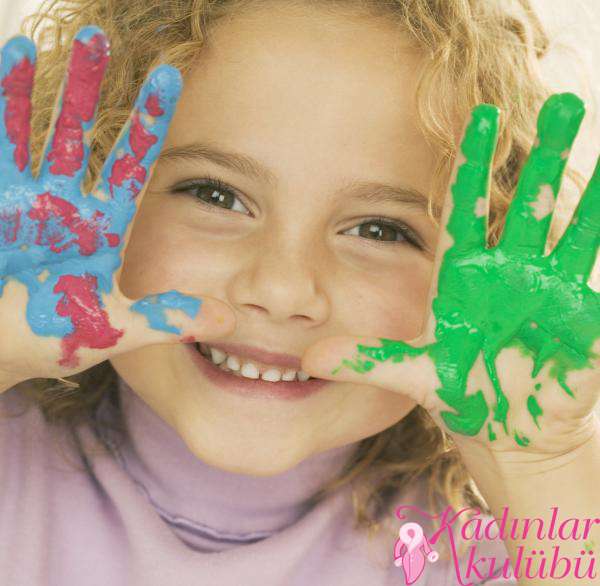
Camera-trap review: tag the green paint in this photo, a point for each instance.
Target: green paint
(562, 382)
(521, 440)
(510, 295)
(538, 386)
(534, 409)
(358, 365)
(491, 434)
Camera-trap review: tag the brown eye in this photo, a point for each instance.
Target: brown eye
(215, 196)
(379, 231)
(386, 231)
(213, 192)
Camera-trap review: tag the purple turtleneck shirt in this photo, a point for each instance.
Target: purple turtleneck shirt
(151, 513)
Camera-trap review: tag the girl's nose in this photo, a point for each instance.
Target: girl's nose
(280, 281)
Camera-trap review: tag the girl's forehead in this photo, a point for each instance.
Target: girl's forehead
(283, 39)
(301, 81)
(316, 105)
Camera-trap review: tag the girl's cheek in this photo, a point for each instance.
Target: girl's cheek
(390, 303)
(200, 266)
(156, 260)
(168, 249)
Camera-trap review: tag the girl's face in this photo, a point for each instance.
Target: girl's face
(318, 229)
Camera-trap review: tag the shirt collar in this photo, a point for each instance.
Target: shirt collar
(191, 494)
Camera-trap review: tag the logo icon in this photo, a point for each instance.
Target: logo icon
(411, 550)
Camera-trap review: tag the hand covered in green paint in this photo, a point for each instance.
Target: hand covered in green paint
(510, 353)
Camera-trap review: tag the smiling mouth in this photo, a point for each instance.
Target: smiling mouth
(245, 368)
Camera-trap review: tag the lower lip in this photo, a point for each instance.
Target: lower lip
(289, 390)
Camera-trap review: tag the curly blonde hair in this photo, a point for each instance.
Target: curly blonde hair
(476, 51)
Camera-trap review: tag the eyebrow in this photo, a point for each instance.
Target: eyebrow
(235, 161)
(371, 192)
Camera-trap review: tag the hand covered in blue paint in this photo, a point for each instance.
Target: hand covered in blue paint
(510, 353)
(61, 309)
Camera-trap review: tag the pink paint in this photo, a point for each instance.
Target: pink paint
(86, 232)
(153, 106)
(86, 70)
(112, 239)
(81, 304)
(140, 139)
(129, 167)
(17, 91)
(187, 340)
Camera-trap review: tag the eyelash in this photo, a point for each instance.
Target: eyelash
(407, 234)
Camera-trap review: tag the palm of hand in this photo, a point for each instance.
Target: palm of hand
(489, 299)
(531, 306)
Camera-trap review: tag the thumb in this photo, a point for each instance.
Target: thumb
(171, 317)
(401, 367)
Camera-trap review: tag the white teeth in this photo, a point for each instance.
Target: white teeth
(273, 375)
(249, 370)
(218, 356)
(233, 363)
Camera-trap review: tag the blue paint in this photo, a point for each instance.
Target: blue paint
(153, 307)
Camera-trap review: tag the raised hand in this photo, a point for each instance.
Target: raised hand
(61, 249)
(495, 308)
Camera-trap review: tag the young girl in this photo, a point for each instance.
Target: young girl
(184, 281)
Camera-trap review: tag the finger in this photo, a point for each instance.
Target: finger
(529, 215)
(576, 251)
(175, 317)
(470, 191)
(66, 151)
(389, 364)
(127, 168)
(120, 324)
(16, 81)
(172, 318)
(464, 214)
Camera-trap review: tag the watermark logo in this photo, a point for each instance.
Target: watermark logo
(410, 552)
(413, 549)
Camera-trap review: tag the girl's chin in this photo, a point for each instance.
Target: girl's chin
(258, 447)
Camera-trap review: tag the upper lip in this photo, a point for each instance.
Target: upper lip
(260, 355)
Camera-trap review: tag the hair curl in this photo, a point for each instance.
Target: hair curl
(476, 51)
